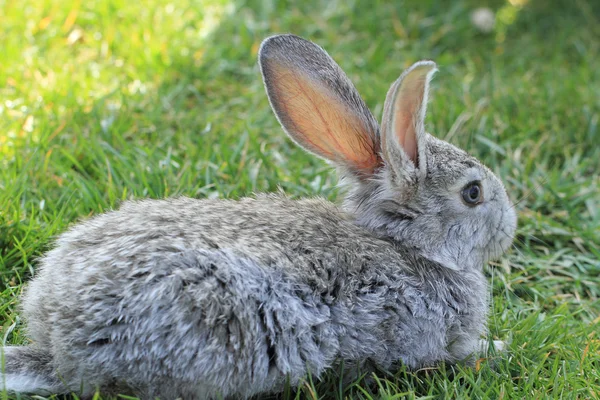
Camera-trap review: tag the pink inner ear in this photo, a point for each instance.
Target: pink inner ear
(408, 140)
(320, 121)
(407, 113)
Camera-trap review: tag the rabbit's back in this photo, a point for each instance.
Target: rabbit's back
(243, 286)
(309, 239)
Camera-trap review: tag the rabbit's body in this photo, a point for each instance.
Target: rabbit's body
(174, 283)
(206, 298)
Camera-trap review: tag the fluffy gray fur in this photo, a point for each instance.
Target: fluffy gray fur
(204, 298)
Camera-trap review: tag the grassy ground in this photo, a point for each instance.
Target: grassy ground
(102, 101)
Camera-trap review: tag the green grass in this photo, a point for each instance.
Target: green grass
(102, 101)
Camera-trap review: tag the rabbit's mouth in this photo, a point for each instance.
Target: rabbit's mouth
(505, 233)
(505, 242)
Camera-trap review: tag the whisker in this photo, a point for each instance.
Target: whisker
(514, 246)
(518, 240)
(515, 239)
(530, 192)
(542, 241)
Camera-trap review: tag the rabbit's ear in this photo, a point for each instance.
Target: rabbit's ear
(317, 105)
(403, 124)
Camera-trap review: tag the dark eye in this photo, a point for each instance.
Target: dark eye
(472, 194)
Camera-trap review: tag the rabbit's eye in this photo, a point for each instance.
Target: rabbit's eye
(472, 194)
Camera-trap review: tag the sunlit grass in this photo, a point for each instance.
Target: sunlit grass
(65, 57)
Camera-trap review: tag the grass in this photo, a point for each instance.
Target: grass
(102, 101)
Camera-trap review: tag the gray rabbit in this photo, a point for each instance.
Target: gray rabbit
(207, 298)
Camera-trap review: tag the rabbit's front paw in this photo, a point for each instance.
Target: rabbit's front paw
(485, 346)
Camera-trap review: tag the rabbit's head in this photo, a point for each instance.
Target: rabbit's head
(401, 182)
